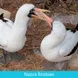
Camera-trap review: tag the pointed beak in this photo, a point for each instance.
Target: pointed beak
(39, 13)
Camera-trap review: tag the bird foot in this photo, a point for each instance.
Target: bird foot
(55, 65)
(6, 60)
(10, 57)
(17, 57)
(37, 51)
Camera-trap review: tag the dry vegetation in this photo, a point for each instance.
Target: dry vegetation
(37, 30)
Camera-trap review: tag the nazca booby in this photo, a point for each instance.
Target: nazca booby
(12, 35)
(60, 44)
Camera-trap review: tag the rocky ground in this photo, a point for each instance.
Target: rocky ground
(37, 30)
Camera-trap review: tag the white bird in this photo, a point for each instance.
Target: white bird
(12, 35)
(60, 44)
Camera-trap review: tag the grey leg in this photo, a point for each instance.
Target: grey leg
(5, 58)
(37, 51)
(4, 55)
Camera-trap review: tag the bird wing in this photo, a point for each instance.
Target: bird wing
(5, 25)
(9, 22)
(4, 28)
(69, 43)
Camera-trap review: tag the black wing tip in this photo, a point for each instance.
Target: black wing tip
(2, 18)
(73, 30)
(2, 14)
(73, 51)
(76, 27)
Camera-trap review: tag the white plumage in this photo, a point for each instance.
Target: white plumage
(59, 43)
(12, 35)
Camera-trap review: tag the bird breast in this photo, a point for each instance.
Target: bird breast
(15, 44)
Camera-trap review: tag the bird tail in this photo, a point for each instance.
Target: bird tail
(1, 16)
(76, 27)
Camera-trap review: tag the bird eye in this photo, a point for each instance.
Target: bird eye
(31, 13)
(31, 10)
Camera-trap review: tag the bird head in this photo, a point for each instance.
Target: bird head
(33, 12)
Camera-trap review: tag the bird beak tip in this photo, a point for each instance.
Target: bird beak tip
(41, 15)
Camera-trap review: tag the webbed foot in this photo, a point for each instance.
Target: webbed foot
(17, 57)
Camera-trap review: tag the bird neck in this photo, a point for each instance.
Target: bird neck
(21, 21)
(52, 40)
(56, 39)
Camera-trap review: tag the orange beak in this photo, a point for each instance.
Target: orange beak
(39, 13)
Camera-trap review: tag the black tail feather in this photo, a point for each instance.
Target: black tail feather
(76, 27)
(2, 18)
(73, 51)
(73, 30)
